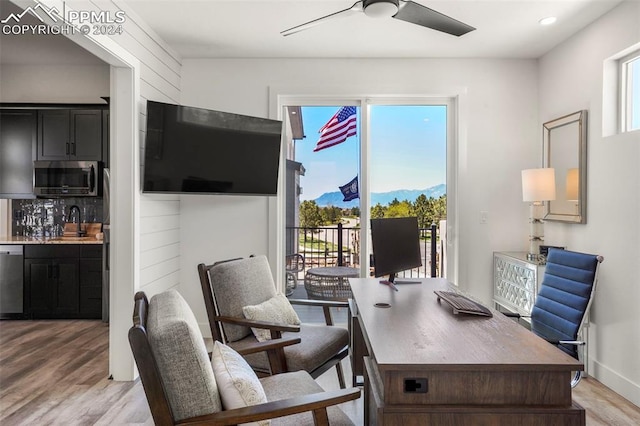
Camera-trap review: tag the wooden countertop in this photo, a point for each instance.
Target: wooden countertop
(68, 237)
(48, 240)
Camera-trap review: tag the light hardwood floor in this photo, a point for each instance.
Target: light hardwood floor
(55, 373)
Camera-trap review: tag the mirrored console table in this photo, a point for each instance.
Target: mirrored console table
(516, 281)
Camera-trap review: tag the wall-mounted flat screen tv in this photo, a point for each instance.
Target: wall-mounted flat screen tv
(195, 150)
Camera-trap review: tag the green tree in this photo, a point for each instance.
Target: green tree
(399, 209)
(331, 215)
(377, 211)
(421, 208)
(440, 209)
(310, 216)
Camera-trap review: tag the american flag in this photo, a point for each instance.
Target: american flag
(338, 128)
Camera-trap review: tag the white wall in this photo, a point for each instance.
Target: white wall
(499, 138)
(571, 79)
(54, 83)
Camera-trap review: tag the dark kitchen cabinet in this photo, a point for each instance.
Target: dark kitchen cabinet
(53, 135)
(91, 281)
(18, 135)
(70, 134)
(63, 281)
(54, 289)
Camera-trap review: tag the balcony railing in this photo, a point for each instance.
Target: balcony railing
(340, 246)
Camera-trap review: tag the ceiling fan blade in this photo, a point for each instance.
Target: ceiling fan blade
(356, 8)
(416, 13)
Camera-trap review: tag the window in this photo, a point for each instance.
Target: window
(396, 158)
(630, 91)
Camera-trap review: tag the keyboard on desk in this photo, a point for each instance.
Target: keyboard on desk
(462, 304)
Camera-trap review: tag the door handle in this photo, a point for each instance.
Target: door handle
(92, 178)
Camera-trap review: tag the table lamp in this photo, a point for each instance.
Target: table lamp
(538, 186)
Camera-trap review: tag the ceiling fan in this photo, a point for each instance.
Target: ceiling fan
(405, 10)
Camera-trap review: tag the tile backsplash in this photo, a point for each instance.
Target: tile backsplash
(46, 217)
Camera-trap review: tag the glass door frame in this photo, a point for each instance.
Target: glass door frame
(277, 205)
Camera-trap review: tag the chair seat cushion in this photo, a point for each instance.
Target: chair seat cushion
(319, 344)
(289, 385)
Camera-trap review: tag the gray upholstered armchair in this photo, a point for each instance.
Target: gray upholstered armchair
(230, 286)
(184, 387)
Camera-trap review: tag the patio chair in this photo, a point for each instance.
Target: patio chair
(229, 286)
(294, 265)
(183, 386)
(562, 305)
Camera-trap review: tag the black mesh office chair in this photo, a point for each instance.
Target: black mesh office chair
(562, 305)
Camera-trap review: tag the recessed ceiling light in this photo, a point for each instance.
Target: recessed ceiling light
(548, 20)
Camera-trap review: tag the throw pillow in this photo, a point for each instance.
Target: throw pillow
(278, 309)
(237, 382)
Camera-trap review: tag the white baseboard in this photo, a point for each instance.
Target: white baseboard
(614, 381)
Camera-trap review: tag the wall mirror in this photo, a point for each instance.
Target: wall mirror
(565, 150)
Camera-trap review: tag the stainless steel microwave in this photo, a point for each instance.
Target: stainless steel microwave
(66, 178)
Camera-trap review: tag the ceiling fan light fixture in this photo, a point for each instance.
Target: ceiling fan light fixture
(381, 8)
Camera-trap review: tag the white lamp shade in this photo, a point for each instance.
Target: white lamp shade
(538, 184)
(573, 183)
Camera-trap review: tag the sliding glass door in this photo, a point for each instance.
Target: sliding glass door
(349, 161)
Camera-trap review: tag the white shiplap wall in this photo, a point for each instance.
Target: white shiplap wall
(160, 69)
(159, 244)
(159, 217)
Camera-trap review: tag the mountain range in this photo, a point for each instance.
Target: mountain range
(384, 198)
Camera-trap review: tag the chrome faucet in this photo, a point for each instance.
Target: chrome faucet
(79, 232)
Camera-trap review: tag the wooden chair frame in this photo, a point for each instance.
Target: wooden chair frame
(161, 410)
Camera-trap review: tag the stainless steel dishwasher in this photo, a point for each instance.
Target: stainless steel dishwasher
(11, 281)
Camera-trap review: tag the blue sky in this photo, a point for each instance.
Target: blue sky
(408, 150)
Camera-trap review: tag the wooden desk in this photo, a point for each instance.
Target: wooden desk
(475, 370)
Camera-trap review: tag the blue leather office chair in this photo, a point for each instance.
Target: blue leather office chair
(562, 305)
